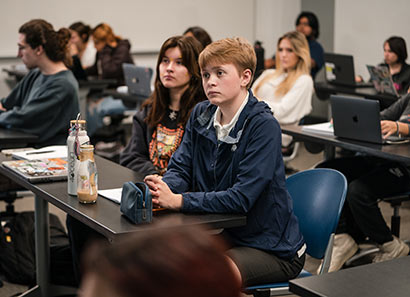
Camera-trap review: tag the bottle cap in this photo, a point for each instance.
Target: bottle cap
(80, 122)
(86, 147)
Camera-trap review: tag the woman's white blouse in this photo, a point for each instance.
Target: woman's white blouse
(291, 107)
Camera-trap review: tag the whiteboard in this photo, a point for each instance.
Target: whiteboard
(147, 24)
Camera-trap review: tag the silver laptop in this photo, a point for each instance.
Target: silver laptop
(137, 79)
(358, 119)
(382, 80)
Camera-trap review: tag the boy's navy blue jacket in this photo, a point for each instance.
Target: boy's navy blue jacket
(244, 173)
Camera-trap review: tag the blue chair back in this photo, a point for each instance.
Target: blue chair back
(318, 196)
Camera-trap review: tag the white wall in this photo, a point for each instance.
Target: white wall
(362, 26)
(149, 23)
(273, 19)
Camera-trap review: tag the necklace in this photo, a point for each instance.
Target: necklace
(173, 115)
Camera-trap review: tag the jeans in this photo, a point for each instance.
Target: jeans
(97, 110)
(369, 179)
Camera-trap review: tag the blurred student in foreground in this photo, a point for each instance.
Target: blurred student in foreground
(171, 261)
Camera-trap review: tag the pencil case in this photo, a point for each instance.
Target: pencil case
(136, 202)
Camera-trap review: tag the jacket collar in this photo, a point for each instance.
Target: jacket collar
(252, 108)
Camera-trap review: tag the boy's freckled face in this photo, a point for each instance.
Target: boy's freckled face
(222, 83)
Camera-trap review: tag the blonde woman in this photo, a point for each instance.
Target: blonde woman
(288, 89)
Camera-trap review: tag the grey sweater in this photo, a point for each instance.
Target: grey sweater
(398, 111)
(42, 105)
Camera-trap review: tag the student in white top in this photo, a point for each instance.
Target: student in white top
(288, 89)
(82, 45)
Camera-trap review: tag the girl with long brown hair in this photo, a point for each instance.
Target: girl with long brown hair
(159, 126)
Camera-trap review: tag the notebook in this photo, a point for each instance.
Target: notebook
(339, 70)
(47, 152)
(36, 171)
(382, 80)
(358, 119)
(115, 196)
(137, 79)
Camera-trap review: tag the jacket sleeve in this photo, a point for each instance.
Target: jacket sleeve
(394, 111)
(136, 154)
(92, 70)
(296, 103)
(13, 98)
(18, 93)
(112, 59)
(317, 54)
(78, 69)
(256, 169)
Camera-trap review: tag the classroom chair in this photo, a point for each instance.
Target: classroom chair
(293, 151)
(318, 196)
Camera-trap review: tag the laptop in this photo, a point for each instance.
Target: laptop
(358, 119)
(39, 170)
(339, 70)
(137, 79)
(382, 80)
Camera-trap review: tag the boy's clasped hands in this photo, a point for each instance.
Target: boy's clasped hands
(162, 196)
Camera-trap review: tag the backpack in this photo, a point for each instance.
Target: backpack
(17, 246)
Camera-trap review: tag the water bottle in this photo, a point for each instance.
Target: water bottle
(87, 176)
(77, 137)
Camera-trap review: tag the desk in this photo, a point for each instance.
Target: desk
(324, 90)
(394, 152)
(12, 139)
(390, 278)
(17, 73)
(104, 216)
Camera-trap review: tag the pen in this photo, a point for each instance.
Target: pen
(40, 152)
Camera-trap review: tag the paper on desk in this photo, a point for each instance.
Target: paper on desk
(112, 194)
(324, 128)
(47, 152)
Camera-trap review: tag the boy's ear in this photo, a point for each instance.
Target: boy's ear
(246, 77)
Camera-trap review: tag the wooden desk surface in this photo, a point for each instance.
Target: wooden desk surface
(11, 138)
(390, 278)
(324, 89)
(104, 216)
(395, 152)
